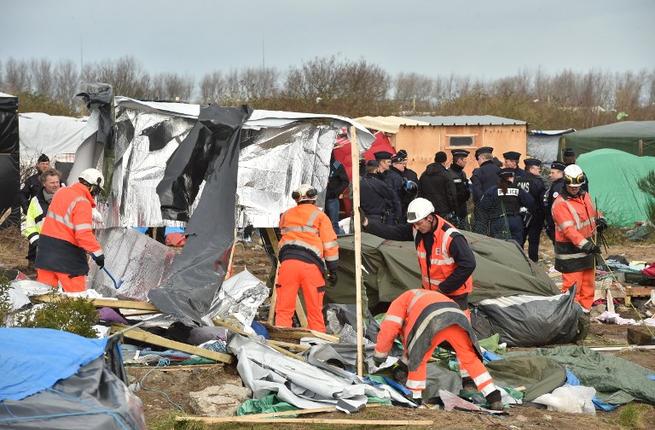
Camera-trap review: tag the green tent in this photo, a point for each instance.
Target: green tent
(634, 137)
(613, 177)
(391, 267)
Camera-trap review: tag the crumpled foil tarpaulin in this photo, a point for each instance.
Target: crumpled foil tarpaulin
(275, 164)
(266, 371)
(239, 297)
(198, 271)
(138, 260)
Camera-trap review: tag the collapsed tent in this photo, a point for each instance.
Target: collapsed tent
(633, 137)
(57, 380)
(391, 267)
(163, 161)
(613, 184)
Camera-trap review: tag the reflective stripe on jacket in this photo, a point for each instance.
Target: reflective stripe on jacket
(307, 227)
(417, 315)
(34, 218)
(441, 264)
(67, 233)
(575, 222)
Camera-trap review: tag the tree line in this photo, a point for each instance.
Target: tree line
(349, 87)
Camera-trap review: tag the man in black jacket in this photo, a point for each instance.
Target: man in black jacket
(337, 183)
(436, 185)
(403, 179)
(485, 176)
(33, 184)
(557, 184)
(533, 184)
(461, 182)
(512, 162)
(379, 201)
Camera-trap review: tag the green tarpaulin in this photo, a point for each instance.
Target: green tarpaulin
(539, 375)
(615, 379)
(634, 137)
(391, 268)
(613, 177)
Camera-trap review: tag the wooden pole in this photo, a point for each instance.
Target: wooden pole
(357, 226)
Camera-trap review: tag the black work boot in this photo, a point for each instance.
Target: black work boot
(495, 401)
(469, 385)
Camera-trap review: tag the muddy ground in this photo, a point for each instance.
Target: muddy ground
(165, 393)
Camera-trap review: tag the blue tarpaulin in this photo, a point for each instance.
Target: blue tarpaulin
(34, 359)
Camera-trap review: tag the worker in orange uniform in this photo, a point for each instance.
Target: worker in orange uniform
(67, 235)
(308, 254)
(426, 319)
(576, 221)
(444, 255)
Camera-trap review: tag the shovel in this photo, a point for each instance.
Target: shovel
(118, 284)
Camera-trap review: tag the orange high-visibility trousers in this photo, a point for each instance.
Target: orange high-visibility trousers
(585, 282)
(468, 359)
(292, 275)
(70, 284)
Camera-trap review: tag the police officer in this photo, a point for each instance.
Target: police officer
(533, 184)
(557, 184)
(461, 182)
(485, 176)
(512, 162)
(404, 178)
(377, 199)
(435, 184)
(498, 214)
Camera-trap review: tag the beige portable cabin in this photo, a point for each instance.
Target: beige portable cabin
(444, 133)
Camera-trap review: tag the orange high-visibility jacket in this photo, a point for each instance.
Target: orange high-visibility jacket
(67, 233)
(307, 227)
(575, 224)
(441, 263)
(418, 315)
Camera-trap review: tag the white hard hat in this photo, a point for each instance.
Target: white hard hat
(574, 176)
(305, 192)
(419, 209)
(93, 177)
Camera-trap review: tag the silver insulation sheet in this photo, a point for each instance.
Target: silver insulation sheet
(133, 199)
(138, 260)
(276, 163)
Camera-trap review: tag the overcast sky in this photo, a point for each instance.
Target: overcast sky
(481, 38)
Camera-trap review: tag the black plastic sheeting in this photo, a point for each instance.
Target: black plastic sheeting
(9, 158)
(210, 152)
(93, 398)
(529, 320)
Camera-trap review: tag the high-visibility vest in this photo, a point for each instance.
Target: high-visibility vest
(441, 263)
(67, 233)
(307, 227)
(34, 217)
(411, 315)
(575, 223)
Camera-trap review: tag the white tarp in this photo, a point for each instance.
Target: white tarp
(40, 133)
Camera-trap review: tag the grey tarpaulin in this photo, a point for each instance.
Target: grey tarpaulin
(533, 320)
(93, 398)
(199, 270)
(97, 148)
(266, 371)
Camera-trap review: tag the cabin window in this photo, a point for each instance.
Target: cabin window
(461, 141)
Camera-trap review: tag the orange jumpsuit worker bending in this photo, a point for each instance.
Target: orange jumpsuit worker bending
(575, 220)
(425, 319)
(308, 254)
(67, 235)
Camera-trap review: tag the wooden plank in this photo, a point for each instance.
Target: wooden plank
(100, 303)
(255, 417)
(298, 333)
(276, 345)
(329, 421)
(354, 157)
(153, 339)
(638, 291)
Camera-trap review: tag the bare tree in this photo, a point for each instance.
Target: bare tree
(259, 83)
(67, 82)
(17, 76)
(42, 77)
(212, 88)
